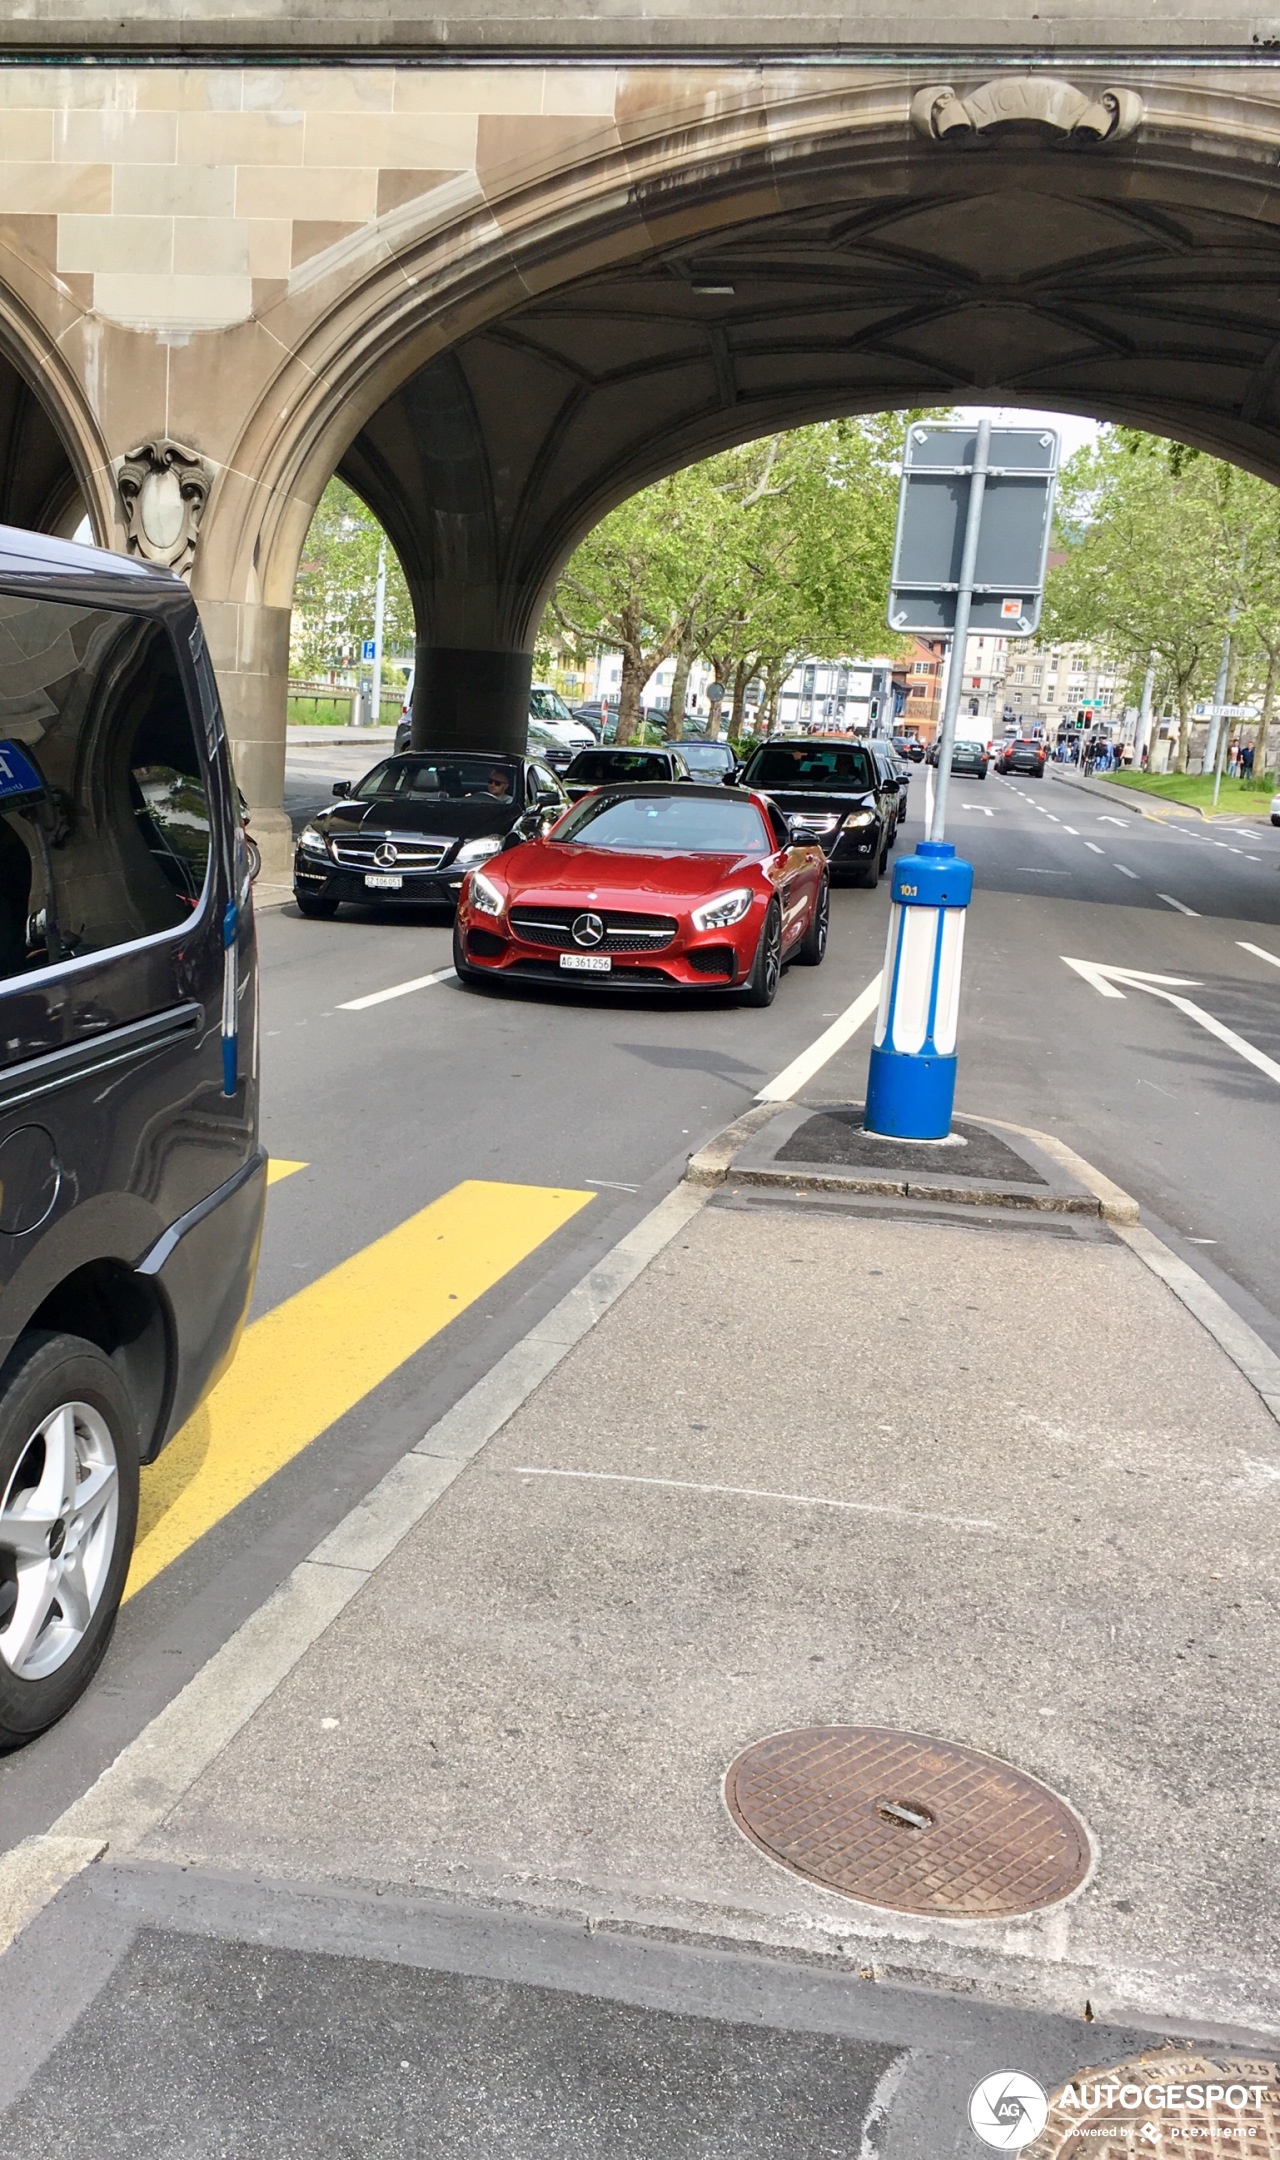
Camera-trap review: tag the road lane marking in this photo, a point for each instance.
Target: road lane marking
(1094, 845)
(1180, 905)
(801, 1070)
(1104, 977)
(1123, 822)
(978, 806)
(278, 1168)
(753, 1492)
(1260, 951)
(1124, 869)
(397, 990)
(1052, 819)
(308, 1362)
(1072, 830)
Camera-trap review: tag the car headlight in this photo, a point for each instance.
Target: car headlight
(312, 841)
(857, 818)
(726, 908)
(486, 897)
(474, 851)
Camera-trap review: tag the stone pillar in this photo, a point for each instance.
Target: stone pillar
(249, 647)
(466, 698)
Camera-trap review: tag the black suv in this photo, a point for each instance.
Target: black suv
(413, 827)
(1026, 755)
(622, 768)
(131, 1180)
(835, 791)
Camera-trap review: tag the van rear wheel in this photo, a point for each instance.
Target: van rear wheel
(68, 1515)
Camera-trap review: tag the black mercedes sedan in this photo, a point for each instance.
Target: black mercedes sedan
(413, 827)
(833, 790)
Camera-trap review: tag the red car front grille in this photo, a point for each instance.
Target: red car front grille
(623, 931)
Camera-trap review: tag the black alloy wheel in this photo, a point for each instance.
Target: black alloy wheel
(766, 969)
(813, 945)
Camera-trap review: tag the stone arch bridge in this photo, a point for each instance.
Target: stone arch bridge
(501, 273)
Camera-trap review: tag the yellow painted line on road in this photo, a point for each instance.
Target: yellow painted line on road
(278, 1168)
(308, 1362)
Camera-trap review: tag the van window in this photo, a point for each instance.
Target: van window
(104, 814)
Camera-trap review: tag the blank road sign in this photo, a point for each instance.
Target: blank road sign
(1017, 515)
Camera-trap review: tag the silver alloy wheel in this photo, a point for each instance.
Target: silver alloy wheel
(57, 1537)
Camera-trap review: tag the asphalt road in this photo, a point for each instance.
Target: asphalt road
(449, 1163)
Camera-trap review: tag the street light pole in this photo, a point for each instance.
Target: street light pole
(379, 613)
(960, 634)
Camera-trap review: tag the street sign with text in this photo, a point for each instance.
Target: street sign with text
(1013, 544)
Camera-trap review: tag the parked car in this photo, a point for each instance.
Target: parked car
(896, 772)
(835, 791)
(909, 746)
(413, 826)
(553, 732)
(676, 887)
(622, 768)
(708, 760)
(1025, 754)
(131, 1180)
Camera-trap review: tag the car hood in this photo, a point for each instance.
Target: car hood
(557, 872)
(441, 821)
(793, 799)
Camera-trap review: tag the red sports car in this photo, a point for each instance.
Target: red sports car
(671, 887)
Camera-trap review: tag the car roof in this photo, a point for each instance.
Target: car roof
(93, 577)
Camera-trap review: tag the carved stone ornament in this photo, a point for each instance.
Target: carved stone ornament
(163, 488)
(1026, 101)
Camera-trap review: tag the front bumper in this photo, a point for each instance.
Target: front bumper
(333, 881)
(695, 960)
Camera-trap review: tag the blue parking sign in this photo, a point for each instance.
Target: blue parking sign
(368, 650)
(20, 778)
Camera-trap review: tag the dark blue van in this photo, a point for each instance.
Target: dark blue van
(131, 1179)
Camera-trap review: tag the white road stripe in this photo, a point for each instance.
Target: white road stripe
(801, 1070)
(1259, 951)
(753, 1492)
(1124, 870)
(1094, 846)
(1072, 830)
(1180, 905)
(397, 990)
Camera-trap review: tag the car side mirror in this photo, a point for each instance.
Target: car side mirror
(731, 779)
(803, 836)
(342, 787)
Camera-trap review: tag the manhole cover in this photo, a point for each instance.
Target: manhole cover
(913, 1824)
(1163, 2104)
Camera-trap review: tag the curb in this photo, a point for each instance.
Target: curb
(1140, 802)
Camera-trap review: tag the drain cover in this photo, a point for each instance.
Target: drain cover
(913, 1824)
(1163, 2104)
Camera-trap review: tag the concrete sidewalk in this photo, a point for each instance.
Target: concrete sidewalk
(831, 1459)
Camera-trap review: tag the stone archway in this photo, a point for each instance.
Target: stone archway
(492, 384)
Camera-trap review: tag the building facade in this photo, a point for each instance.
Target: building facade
(1056, 690)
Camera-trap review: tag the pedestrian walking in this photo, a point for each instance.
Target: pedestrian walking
(1246, 760)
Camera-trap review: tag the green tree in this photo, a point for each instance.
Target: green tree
(333, 601)
(748, 560)
(1152, 564)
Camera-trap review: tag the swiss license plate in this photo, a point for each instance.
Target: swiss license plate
(587, 963)
(382, 881)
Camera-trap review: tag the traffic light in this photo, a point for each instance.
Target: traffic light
(1080, 718)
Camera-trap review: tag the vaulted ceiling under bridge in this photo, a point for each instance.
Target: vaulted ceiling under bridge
(1029, 266)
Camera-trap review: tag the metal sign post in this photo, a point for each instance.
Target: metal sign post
(973, 536)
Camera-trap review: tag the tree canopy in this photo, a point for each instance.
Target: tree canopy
(333, 602)
(751, 560)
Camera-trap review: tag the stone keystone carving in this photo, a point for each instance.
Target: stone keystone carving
(1026, 100)
(164, 487)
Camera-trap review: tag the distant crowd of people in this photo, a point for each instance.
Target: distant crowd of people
(1096, 753)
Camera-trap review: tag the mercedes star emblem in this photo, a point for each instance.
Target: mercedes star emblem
(385, 854)
(588, 930)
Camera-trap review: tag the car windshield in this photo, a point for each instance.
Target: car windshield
(707, 756)
(684, 824)
(446, 779)
(547, 704)
(971, 749)
(601, 768)
(810, 765)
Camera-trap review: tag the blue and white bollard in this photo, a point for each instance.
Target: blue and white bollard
(911, 1084)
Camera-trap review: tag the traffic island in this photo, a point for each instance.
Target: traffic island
(985, 1165)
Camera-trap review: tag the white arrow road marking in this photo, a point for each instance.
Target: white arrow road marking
(1121, 821)
(1180, 905)
(1259, 951)
(1104, 979)
(978, 806)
